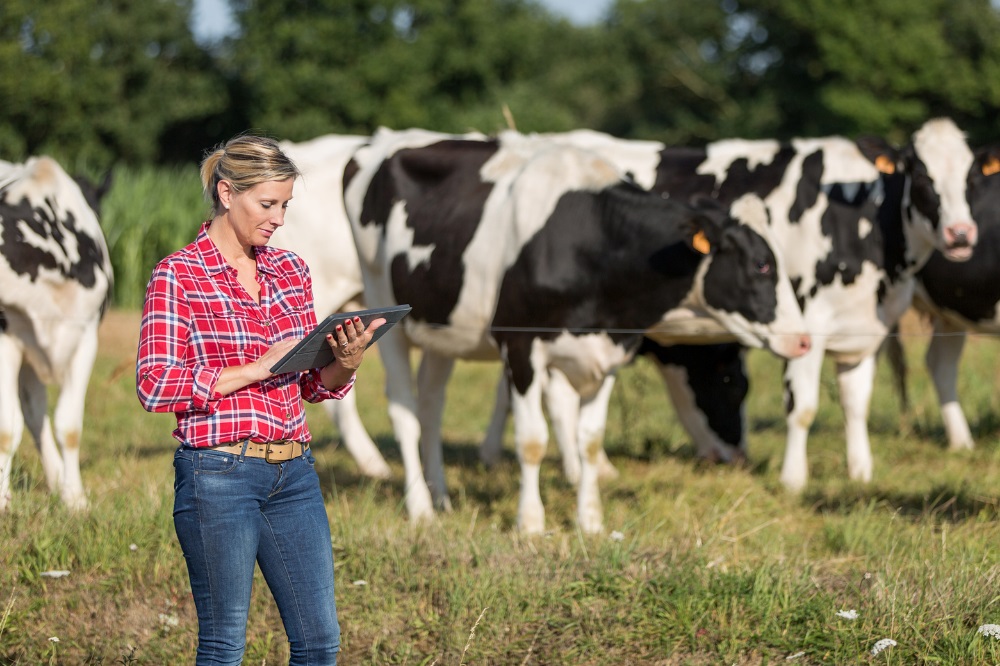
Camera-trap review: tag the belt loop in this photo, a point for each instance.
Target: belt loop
(243, 453)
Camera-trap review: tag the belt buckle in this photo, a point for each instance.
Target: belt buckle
(267, 453)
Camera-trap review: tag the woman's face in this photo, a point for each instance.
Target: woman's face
(257, 213)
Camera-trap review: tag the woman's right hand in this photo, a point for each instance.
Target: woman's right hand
(262, 366)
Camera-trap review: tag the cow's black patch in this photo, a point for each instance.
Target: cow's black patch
(717, 378)
(444, 198)
(25, 258)
(613, 261)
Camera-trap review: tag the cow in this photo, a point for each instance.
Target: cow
(56, 278)
(705, 381)
(542, 254)
(854, 220)
(964, 297)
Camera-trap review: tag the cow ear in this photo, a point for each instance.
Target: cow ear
(700, 242)
(879, 152)
(706, 224)
(989, 160)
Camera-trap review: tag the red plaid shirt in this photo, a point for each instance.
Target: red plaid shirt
(198, 319)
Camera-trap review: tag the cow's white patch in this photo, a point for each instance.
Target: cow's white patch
(722, 154)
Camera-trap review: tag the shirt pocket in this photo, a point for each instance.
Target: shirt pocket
(292, 317)
(223, 332)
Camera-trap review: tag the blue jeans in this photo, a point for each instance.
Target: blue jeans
(231, 511)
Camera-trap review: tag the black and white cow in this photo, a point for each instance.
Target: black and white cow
(963, 297)
(852, 238)
(543, 255)
(706, 382)
(55, 273)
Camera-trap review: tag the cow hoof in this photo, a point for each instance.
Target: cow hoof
(375, 469)
(606, 471)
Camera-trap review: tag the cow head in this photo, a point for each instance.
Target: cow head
(744, 285)
(942, 175)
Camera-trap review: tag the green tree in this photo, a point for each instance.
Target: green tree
(854, 67)
(98, 81)
(310, 67)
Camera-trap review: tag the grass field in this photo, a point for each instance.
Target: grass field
(700, 565)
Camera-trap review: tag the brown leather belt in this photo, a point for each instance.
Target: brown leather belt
(272, 452)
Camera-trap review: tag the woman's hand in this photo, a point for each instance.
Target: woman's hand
(348, 344)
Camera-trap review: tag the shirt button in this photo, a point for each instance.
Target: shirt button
(288, 415)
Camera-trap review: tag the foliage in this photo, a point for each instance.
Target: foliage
(311, 68)
(101, 81)
(149, 213)
(843, 66)
(96, 82)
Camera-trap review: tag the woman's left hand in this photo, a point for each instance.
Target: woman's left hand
(349, 342)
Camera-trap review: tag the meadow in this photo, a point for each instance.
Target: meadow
(699, 564)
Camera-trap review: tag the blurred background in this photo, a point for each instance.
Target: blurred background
(102, 82)
(144, 88)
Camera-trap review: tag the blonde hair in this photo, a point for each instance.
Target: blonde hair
(244, 161)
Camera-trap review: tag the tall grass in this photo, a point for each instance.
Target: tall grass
(149, 213)
(700, 564)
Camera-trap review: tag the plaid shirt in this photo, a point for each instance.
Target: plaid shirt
(198, 319)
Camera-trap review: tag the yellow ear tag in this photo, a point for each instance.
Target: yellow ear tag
(992, 166)
(885, 165)
(700, 243)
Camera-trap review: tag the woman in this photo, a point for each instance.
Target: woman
(218, 314)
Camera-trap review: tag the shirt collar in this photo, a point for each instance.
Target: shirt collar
(215, 263)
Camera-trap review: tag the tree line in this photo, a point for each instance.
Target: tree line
(103, 82)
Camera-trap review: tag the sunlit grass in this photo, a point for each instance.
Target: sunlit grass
(715, 564)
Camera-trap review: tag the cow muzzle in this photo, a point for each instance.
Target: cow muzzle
(960, 239)
(791, 346)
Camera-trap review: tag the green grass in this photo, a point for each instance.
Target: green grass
(715, 565)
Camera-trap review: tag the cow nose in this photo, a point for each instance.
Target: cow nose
(960, 234)
(804, 344)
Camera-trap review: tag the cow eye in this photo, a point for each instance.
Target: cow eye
(764, 267)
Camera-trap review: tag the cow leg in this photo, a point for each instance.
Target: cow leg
(492, 445)
(69, 416)
(563, 405)
(394, 351)
(432, 380)
(801, 402)
(942, 360)
(593, 418)
(11, 418)
(35, 406)
(855, 382)
(531, 435)
(344, 414)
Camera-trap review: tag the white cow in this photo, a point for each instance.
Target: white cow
(55, 280)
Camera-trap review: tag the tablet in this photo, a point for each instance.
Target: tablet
(313, 351)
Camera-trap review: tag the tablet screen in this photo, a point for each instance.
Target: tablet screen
(313, 351)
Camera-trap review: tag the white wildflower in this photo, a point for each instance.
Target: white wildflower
(133, 547)
(991, 630)
(53, 639)
(882, 645)
(168, 621)
(360, 582)
(848, 614)
(617, 536)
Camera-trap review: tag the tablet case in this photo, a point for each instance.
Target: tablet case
(313, 351)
